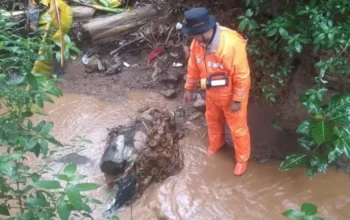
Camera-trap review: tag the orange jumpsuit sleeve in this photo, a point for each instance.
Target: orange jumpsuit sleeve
(193, 75)
(236, 61)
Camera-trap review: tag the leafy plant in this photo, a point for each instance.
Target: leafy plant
(55, 25)
(324, 137)
(308, 212)
(27, 192)
(322, 26)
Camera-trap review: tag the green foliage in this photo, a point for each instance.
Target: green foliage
(308, 212)
(324, 137)
(29, 192)
(320, 28)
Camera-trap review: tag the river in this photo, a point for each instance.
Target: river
(206, 188)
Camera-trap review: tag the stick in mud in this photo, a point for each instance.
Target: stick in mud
(127, 44)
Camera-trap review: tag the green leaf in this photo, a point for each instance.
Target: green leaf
(341, 131)
(249, 12)
(319, 162)
(293, 214)
(32, 81)
(283, 32)
(37, 203)
(272, 32)
(305, 127)
(4, 210)
(74, 196)
(36, 150)
(27, 114)
(87, 186)
(298, 46)
(342, 145)
(62, 177)
(95, 201)
(47, 184)
(319, 38)
(70, 169)
(293, 161)
(34, 177)
(306, 142)
(86, 208)
(334, 152)
(48, 99)
(243, 24)
(30, 125)
(15, 156)
(309, 209)
(44, 147)
(40, 126)
(64, 210)
(324, 26)
(77, 177)
(311, 170)
(47, 128)
(31, 143)
(6, 168)
(54, 141)
(338, 109)
(322, 132)
(310, 103)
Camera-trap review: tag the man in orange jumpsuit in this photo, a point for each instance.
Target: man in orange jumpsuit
(216, 49)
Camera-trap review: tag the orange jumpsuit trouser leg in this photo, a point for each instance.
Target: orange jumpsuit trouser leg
(237, 122)
(215, 118)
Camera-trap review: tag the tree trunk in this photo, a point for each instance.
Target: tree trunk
(110, 28)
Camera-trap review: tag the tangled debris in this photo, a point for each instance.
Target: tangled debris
(141, 153)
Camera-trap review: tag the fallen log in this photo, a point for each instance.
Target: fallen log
(82, 12)
(108, 29)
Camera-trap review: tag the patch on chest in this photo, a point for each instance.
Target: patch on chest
(216, 65)
(198, 60)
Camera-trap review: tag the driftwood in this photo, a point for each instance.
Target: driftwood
(110, 28)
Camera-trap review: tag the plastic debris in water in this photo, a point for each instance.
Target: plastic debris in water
(155, 53)
(179, 26)
(177, 64)
(85, 59)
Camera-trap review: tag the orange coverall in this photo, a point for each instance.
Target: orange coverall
(226, 53)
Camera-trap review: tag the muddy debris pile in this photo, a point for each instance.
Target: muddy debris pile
(143, 152)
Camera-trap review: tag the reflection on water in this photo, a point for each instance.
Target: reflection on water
(206, 188)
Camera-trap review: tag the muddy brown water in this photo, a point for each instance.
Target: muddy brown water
(206, 188)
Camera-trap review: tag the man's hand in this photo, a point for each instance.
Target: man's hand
(235, 106)
(187, 99)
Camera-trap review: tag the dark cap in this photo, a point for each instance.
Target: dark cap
(198, 21)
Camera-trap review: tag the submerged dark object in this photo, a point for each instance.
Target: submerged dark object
(126, 191)
(141, 153)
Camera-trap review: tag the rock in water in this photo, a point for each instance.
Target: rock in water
(169, 94)
(143, 153)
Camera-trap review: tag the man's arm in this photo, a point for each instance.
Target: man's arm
(236, 62)
(193, 75)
